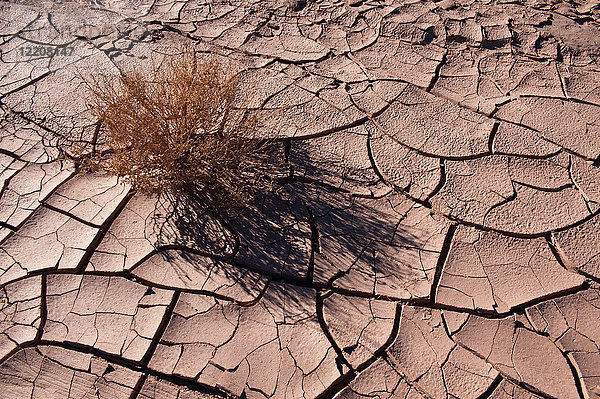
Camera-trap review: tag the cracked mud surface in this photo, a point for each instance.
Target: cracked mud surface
(436, 235)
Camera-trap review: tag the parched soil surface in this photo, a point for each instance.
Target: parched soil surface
(435, 235)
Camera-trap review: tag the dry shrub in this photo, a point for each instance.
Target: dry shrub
(177, 130)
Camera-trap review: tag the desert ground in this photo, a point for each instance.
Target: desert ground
(436, 233)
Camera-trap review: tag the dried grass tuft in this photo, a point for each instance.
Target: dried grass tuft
(177, 130)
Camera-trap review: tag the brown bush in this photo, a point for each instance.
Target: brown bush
(177, 130)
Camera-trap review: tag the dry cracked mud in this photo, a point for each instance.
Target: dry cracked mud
(436, 234)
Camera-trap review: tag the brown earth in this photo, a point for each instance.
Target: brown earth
(437, 236)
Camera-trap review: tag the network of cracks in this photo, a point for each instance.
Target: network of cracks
(435, 232)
